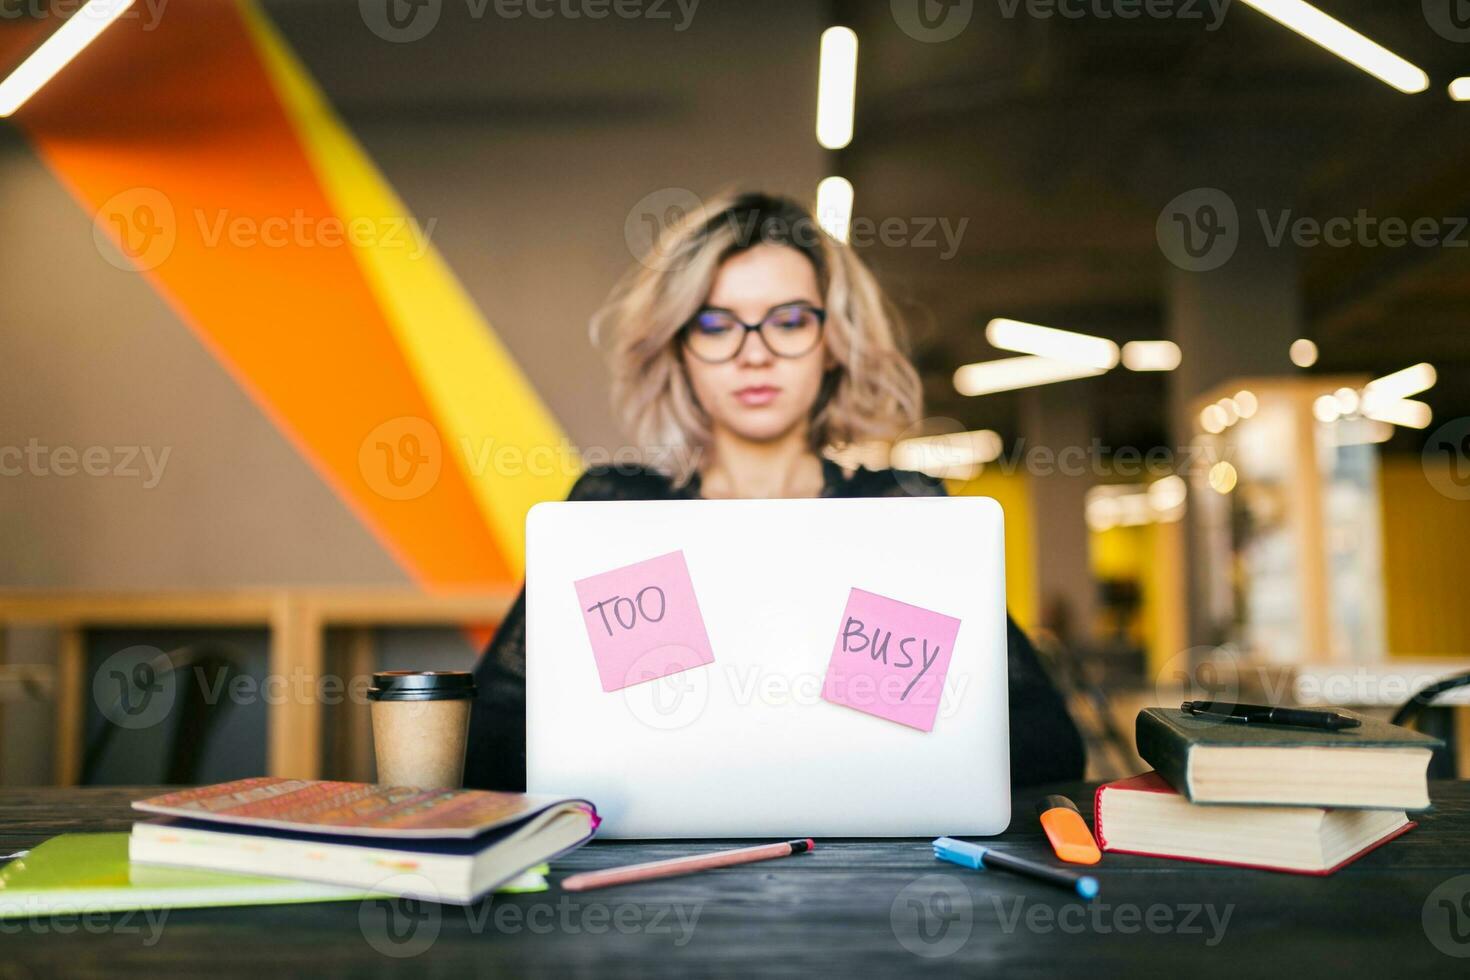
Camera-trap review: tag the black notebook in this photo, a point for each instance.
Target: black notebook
(1374, 766)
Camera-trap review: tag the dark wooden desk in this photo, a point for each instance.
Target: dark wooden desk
(854, 908)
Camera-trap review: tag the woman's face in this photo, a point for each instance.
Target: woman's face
(757, 395)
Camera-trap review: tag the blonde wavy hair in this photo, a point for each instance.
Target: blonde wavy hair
(870, 391)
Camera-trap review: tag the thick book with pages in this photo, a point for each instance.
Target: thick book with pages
(1209, 761)
(440, 845)
(1144, 815)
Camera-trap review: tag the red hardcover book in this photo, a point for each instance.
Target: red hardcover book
(1145, 815)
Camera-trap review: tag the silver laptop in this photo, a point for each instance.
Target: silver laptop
(770, 668)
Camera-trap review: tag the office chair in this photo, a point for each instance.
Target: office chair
(1443, 765)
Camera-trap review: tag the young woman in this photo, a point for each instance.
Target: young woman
(749, 342)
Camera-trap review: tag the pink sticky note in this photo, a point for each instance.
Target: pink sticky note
(644, 622)
(890, 659)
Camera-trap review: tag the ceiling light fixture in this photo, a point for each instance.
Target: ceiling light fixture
(1079, 349)
(57, 51)
(1346, 43)
(1010, 373)
(836, 87)
(1151, 355)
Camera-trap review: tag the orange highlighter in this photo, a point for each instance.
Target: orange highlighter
(1067, 831)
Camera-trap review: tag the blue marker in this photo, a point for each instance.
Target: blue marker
(981, 858)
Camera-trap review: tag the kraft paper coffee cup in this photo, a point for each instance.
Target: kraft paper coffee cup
(421, 720)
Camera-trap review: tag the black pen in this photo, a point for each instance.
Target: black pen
(1264, 714)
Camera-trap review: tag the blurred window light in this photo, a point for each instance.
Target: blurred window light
(1325, 409)
(57, 51)
(1129, 505)
(1213, 419)
(953, 455)
(1151, 355)
(1460, 89)
(834, 206)
(1059, 345)
(1167, 496)
(1011, 373)
(1361, 432)
(1223, 477)
(1402, 384)
(1346, 43)
(1398, 411)
(1247, 403)
(836, 87)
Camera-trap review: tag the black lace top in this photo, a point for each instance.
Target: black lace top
(1045, 745)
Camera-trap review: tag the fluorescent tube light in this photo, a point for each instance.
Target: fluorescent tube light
(836, 87)
(834, 206)
(1151, 355)
(57, 51)
(1402, 384)
(1010, 373)
(1344, 42)
(1079, 349)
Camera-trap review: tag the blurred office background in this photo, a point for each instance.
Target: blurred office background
(293, 318)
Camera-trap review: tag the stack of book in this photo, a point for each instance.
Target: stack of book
(441, 845)
(1265, 796)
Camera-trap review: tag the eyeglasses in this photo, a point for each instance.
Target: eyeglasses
(715, 336)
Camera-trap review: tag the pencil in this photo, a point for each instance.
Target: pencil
(684, 865)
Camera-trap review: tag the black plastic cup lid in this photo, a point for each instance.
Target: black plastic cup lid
(421, 685)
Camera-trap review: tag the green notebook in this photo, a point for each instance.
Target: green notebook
(1374, 766)
(80, 873)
